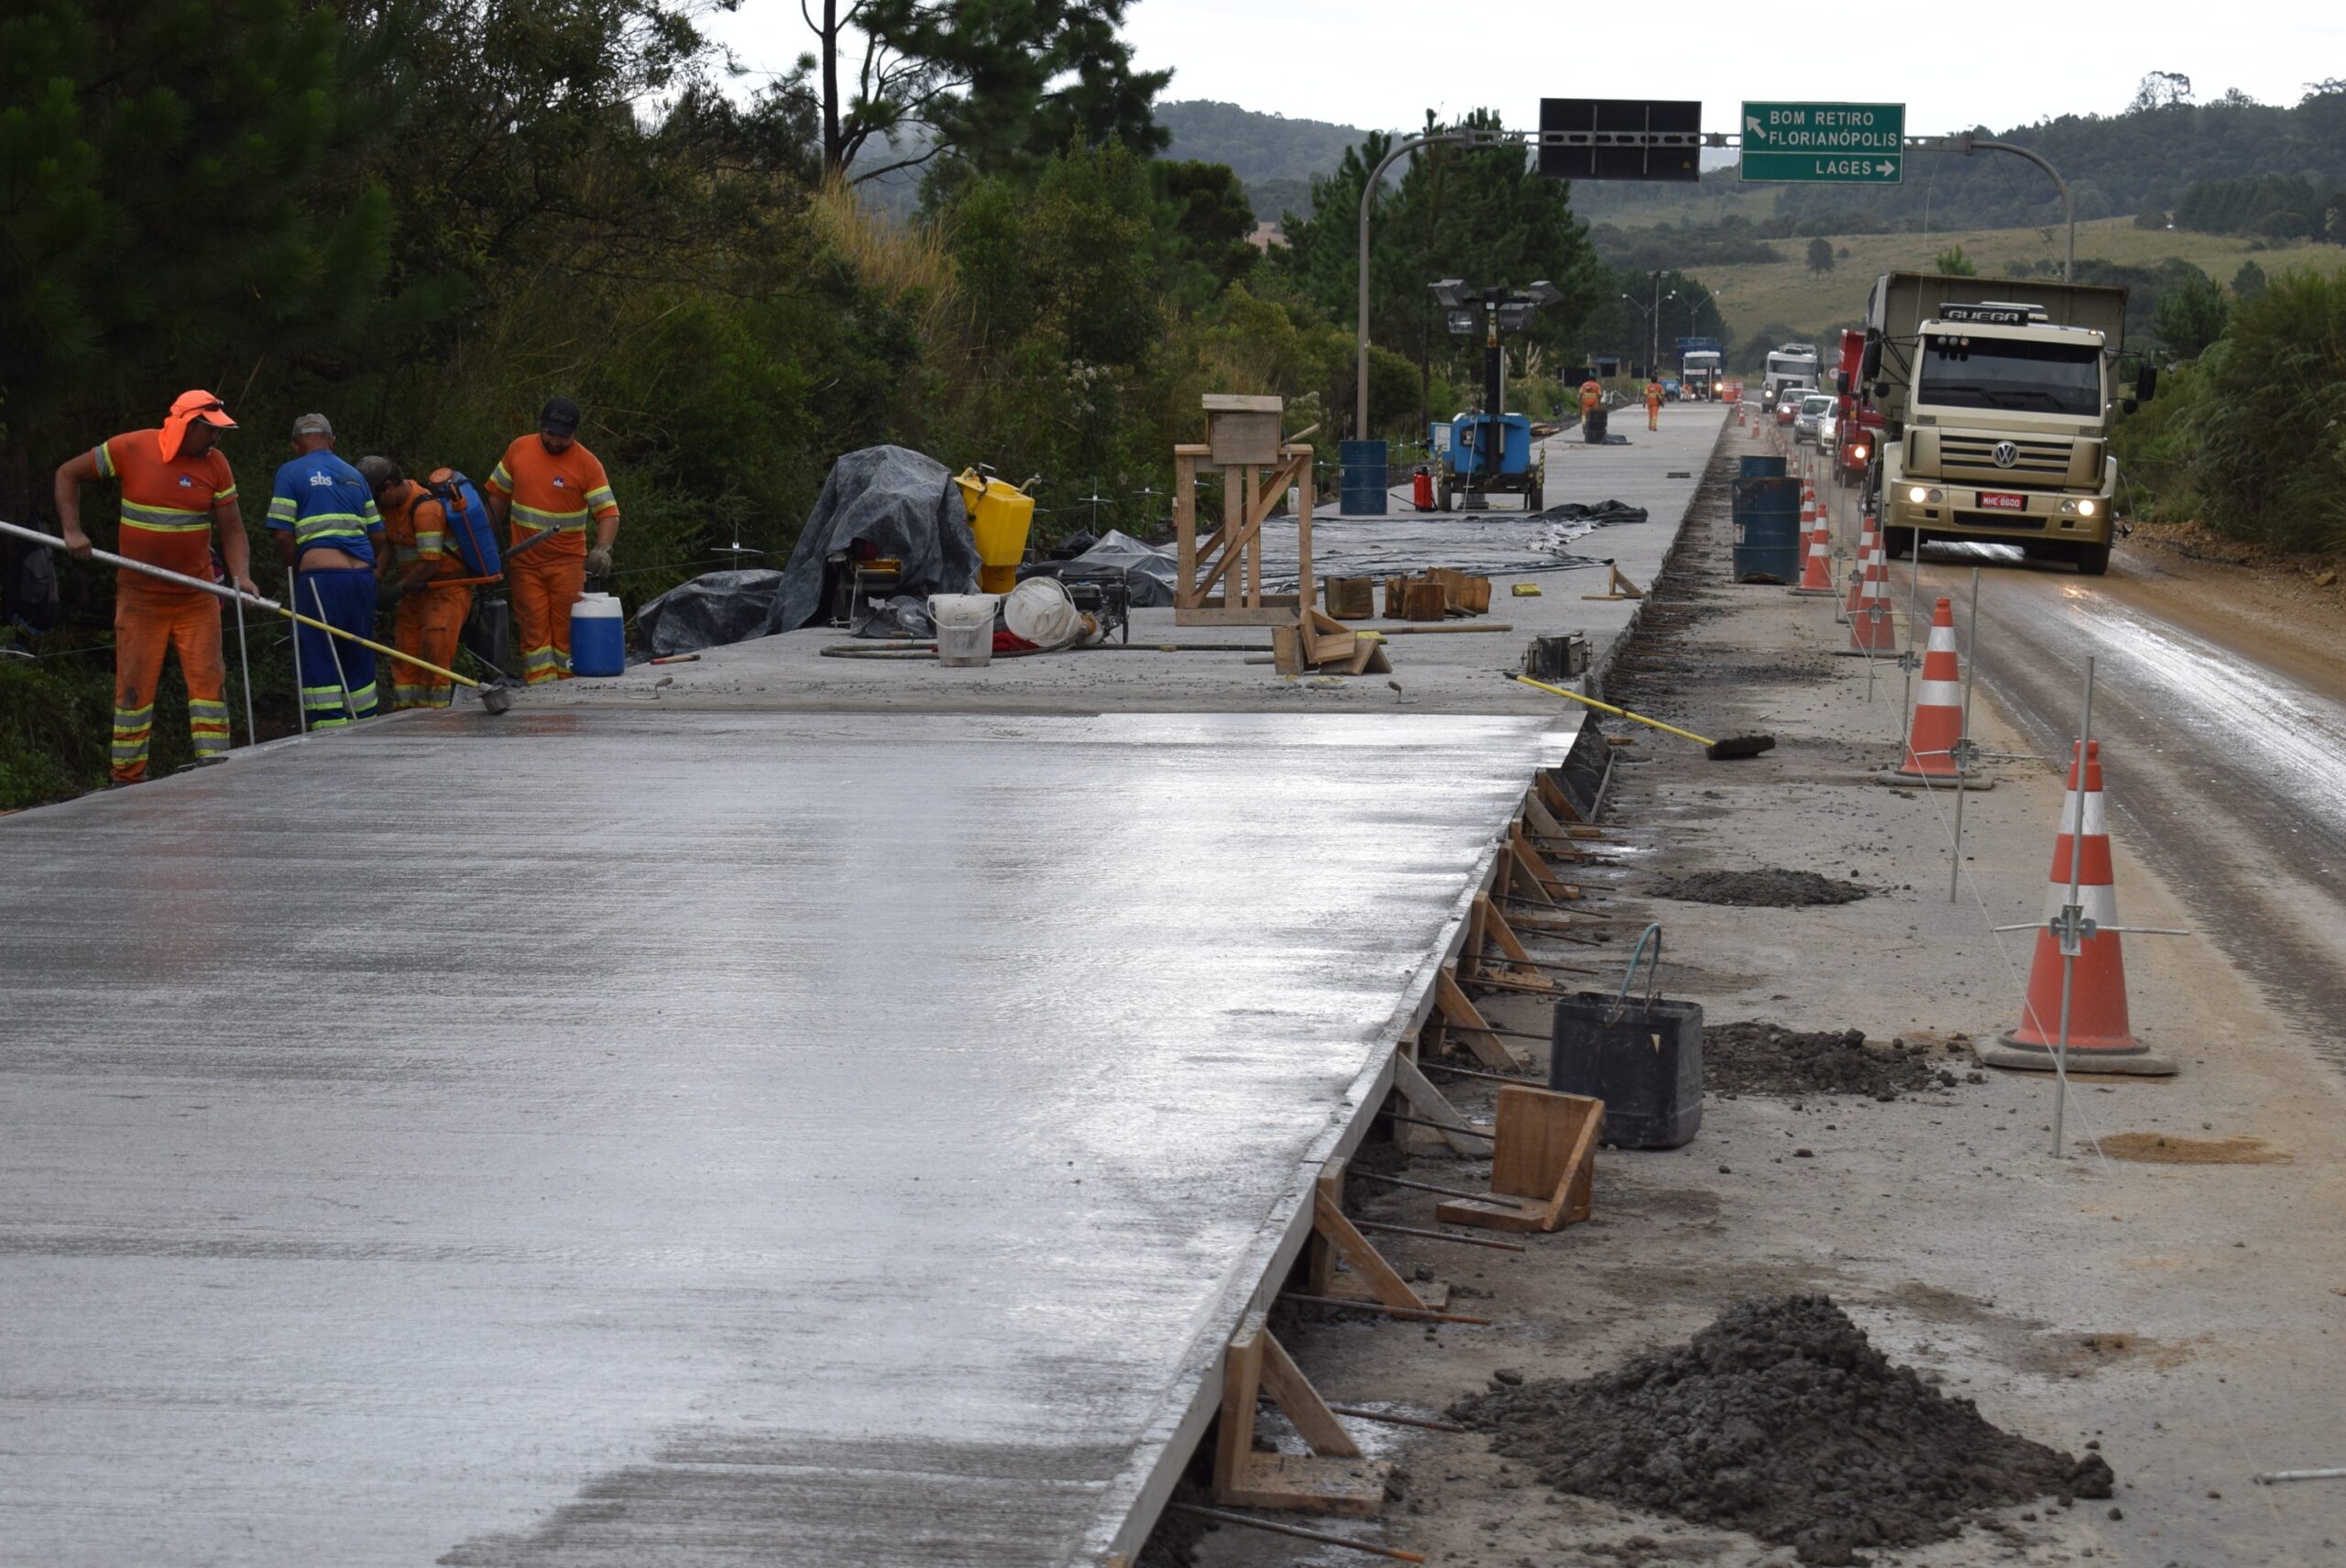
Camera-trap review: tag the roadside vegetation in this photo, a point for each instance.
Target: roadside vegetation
(423, 220)
(2247, 436)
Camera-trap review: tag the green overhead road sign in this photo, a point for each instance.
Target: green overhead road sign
(1834, 144)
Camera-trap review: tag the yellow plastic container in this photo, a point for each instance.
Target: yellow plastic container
(1001, 515)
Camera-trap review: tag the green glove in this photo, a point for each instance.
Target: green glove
(598, 561)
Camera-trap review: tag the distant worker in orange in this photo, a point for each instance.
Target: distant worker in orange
(1592, 397)
(548, 481)
(429, 614)
(179, 503)
(1653, 404)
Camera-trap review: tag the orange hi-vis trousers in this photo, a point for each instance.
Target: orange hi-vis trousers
(149, 619)
(427, 624)
(1653, 414)
(542, 587)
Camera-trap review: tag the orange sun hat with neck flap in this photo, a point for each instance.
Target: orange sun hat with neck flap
(186, 409)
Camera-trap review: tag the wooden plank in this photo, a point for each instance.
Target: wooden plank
(1300, 1483)
(1241, 1376)
(1384, 1281)
(1425, 1097)
(1300, 1402)
(1185, 526)
(1461, 1014)
(1287, 650)
(1310, 500)
(1494, 927)
(1422, 601)
(1543, 1167)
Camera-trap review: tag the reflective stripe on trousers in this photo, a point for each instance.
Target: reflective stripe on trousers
(150, 620)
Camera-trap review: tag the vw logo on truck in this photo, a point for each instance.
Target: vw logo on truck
(2007, 454)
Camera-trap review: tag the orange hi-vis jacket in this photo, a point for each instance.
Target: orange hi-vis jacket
(553, 490)
(417, 526)
(1591, 394)
(167, 504)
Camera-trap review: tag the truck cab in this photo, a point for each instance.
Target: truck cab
(1996, 414)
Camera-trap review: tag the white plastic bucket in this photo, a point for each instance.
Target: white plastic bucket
(1039, 610)
(964, 629)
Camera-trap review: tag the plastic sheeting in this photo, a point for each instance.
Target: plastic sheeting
(903, 505)
(1148, 571)
(711, 610)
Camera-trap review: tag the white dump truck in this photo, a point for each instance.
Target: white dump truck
(1792, 365)
(1995, 397)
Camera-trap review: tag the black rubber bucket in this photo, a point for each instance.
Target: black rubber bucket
(1643, 1058)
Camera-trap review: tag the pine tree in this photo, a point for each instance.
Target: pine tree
(176, 207)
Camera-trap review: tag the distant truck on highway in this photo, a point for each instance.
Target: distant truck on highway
(1995, 397)
(1857, 435)
(1792, 365)
(1698, 374)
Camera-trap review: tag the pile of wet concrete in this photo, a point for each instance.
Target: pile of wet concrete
(1780, 1418)
(1767, 889)
(1768, 1058)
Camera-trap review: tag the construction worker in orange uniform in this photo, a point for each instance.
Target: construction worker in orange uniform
(178, 498)
(1592, 395)
(430, 614)
(1653, 404)
(548, 481)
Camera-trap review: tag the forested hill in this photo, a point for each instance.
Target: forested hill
(1273, 157)
(2117, 165)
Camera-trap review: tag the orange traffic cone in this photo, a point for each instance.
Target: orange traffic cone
(1873, 630)
(1816, 572)
(1938, 711)
(1868, 549)
(2099, 1039)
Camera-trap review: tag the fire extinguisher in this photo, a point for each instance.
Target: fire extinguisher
(1421, 489)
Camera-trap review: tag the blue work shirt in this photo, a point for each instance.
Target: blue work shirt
(326, 505)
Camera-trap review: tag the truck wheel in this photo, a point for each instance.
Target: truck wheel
(2093, 560)
(1898, 543)
(1448, 495)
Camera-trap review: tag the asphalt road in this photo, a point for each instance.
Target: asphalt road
(2224, 745)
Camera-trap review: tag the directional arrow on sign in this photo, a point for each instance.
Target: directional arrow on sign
(1751, 127)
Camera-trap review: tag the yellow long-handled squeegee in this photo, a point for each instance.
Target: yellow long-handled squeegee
(1725, 750)
(493, 699)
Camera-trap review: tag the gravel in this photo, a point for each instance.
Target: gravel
(1782, 1420)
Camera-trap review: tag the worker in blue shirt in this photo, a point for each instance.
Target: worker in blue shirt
(322, 517)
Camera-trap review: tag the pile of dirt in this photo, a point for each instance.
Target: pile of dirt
(1768, 1058)
(1769, 889)
(1782, 1420)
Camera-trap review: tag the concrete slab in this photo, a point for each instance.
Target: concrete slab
(611, 1134)
(1448, 673)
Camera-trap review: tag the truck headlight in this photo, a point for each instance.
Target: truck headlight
(2086, 508)
(1858, 452)
(1918, 495)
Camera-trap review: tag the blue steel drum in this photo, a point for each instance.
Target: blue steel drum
(1768, 545)
(1762, 467)
(1362, 489)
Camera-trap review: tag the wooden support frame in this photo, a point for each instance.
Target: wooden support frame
(1336, 1241)
(1425, 1099)
(1617, 586)
(1458, 1011)
(1533, 866)
(1219, 577)
(1543, 1168)
(1333, 1479)
(1485, 926)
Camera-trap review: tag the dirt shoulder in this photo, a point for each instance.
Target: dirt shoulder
(2289, 607)
(2169, 1294)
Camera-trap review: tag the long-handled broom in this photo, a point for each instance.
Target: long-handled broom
(493, 699)
(1725, 750)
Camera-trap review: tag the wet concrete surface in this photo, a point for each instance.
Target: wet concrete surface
(624, 1135)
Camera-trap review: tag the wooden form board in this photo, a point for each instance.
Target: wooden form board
(1218, 578)
(1333, 1479)
(1347, 1265)
(1543, 1169)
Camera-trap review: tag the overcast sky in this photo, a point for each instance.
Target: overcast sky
(1381, 63)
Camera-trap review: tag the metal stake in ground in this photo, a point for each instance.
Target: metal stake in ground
(1970, 664)
(244, 663)
(1221, 1516)
(2072, 913)
(349, 709)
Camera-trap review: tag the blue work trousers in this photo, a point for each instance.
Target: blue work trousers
(331, 668)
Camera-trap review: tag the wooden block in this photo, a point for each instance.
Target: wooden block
(1287, 650)
(1397, 597)
(1308, 1484)
(1453, 587)
(1242, 430)
(1475, 596)
(1351, 598)
(1423, 601)
(1544, 1165)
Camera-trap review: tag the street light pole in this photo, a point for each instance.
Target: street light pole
(1368, 195)
(1968, 144)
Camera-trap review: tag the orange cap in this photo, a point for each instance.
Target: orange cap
(186, 409)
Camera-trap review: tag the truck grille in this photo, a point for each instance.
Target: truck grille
(2046, 458)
